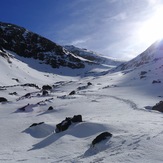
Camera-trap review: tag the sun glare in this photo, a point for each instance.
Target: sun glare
(152, 29)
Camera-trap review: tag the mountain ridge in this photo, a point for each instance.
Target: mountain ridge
(31, 45)
(151, 54)
(93, 56)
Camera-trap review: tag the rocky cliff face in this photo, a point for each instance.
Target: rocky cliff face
(32, 45)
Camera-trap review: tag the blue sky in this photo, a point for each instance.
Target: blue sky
(117, 28)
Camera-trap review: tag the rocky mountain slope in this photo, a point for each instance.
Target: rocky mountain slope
(32, 45)
(92, 56)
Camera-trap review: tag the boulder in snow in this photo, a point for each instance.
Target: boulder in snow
(143, 76)
(2, 99)
(27, 108)
(101, 137)
(44, 93)
(46, 87)
(27, 95)
(50, 108)
(64, 125)
(72, 93)
(156, 81)
(76, 118)
(158, 106)
(143, 72)
(89, 83)
(13, 93)
(36, 124)
(23, 108)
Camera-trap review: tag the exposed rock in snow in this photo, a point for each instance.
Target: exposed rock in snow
(32, 45)
(158, 106)
(101, 137)
(2, 99)
(92, 56)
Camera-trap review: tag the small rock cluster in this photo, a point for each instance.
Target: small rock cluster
(64, 125)
(156, 81)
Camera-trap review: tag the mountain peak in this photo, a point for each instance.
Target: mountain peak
(31, 45)
(151, 54)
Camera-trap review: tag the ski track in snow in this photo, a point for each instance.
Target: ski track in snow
(129, 102)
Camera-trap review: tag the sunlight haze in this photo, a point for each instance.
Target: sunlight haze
(116, 28)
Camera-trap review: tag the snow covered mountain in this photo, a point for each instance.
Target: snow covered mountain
(92, 56)
(152, 54)
(117, 103)
(36, 102)
(32, 45)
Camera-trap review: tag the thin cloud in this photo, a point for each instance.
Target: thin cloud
(121, 16)
(118, 17)
(79, 42)
(107, 27)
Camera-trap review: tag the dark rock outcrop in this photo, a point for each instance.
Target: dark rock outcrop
(89, 83)
(82, 87)
(46, 87)
(27, 95)
(76, 118)
(143, 76)
(72, 93)
(50, 108)
(158, 106)
(92, 56)
(156, 81)
(31, 45)
(13, 93)
(100, 137)
(45, 93)
(64, 125)
(36, 124)
(2, 99)
(23, 108)
(143, 72)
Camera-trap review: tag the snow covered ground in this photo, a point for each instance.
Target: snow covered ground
(115, 102)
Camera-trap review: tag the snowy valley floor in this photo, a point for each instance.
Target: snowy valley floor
(106, 105)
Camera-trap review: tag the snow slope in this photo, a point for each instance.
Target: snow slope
(151, 54)
(116, 102)
(31, 45)
(94, 57)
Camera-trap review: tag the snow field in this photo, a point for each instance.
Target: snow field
(120, 110)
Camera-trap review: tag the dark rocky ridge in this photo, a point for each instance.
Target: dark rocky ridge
(92, 56)
(31, 45)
